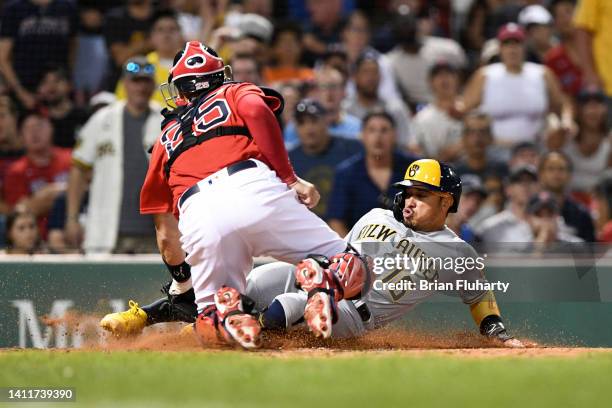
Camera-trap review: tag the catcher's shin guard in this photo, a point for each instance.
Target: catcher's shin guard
(229, 320)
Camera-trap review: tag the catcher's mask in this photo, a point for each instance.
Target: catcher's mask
(196, 69)
(431, 175)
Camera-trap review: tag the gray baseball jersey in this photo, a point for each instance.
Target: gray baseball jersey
(419, 264)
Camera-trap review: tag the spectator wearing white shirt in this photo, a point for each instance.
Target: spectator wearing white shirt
(516, 94)
(436, 132)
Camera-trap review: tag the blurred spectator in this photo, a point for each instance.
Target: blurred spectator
(593, 20)
(564, 58)
(166, 40)
(356, 36)
(329, 91)
(524, 154)
(330, 87)
(413, 55)
(248, 34)
(484, 19)
(436, 132)
(477, 140)
(323, 27)
(318, 153)
(538, 27)
(11, 146)
(33, 182)
(34, 33)
(591, 150)
(292, 94)
(363, 182)
(516, 94)
(367, 79)
(511, 225)
(547, 227)
(245, 68)
(191, 16)
(473, 195)
(112, 154)
(286, 56)
(91, 53)
(54, 93)
(603, 199)
(125, 31)
(554, 173)
(22, 236)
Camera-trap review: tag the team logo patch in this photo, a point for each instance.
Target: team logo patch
(413, 170)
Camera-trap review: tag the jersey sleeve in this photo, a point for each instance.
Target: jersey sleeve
(156, 195)
(473, 271)
(253, 108)
(84, 153)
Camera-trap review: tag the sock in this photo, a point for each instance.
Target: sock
(273, 317)
(176, 288)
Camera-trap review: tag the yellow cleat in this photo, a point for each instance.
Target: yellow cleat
(127, 323)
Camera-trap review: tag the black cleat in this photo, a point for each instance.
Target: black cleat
(172, 308)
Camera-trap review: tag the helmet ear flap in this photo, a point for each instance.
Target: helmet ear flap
(398, 205)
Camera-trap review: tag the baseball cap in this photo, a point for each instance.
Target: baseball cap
(442, 66)
(542, 200)
(255, 26)
(138, 67)
(511, 31)
(309, 107)
(535, 14)
(518, 172)
(471, 183)
(591, 93)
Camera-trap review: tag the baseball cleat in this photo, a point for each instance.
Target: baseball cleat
(228, 322)
(319, 314)
(127, 323)
(323, 293)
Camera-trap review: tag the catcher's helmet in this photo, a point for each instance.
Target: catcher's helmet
(432, 175)
(196, 69)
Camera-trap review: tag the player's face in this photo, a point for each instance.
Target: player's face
(425, 210)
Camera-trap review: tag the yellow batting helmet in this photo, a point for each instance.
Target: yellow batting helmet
(432, 175)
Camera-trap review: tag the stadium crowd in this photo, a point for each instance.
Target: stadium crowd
(515, 94)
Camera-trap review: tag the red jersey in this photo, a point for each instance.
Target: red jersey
(569, 74)
(233, 104)
(23, 178)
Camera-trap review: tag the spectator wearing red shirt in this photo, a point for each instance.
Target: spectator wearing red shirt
(34, 181)
(563, 59)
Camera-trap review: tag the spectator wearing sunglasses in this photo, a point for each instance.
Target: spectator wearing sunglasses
(112, 154)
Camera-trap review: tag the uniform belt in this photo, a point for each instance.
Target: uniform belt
(231, 170)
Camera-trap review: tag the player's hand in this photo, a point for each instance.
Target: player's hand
(513, 343)
(307, 192)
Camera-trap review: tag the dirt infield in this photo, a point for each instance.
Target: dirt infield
(301, 344)
(169, 338)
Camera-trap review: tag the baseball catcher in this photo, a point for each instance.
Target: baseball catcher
(222, 190)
